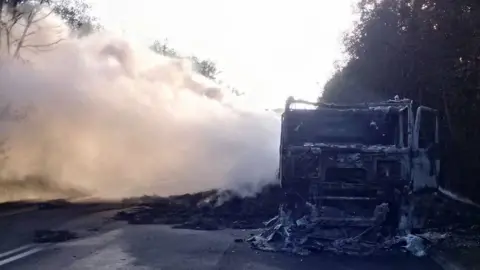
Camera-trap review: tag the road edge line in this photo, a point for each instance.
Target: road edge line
(21, 255)
(16, 250)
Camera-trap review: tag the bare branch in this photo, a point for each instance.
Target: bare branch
(27, 35)
(2, 25)
(8, 31)
(32, 50)
(44, 45)
(25, 30)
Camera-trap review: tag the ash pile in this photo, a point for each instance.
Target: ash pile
(305, 228)
(210, 210)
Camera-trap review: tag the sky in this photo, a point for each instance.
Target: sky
(268, 49)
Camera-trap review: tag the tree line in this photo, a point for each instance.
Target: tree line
(428, 51)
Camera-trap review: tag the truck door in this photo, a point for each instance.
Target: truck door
(426, 157)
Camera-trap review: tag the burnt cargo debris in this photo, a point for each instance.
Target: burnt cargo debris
(303, 229)
(310, 233)
(53, 236)
(205, 210)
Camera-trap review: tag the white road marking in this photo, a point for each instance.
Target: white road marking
(30, 248)
(22, 255)
(13, 251)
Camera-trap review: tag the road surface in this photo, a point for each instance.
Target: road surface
(106, 244)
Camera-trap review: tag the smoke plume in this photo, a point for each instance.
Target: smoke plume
(103, 116)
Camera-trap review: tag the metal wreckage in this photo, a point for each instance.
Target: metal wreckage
(351, 175)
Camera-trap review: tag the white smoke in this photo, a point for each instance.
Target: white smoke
(111, 118)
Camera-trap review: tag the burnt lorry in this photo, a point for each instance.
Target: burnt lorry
(353, 158)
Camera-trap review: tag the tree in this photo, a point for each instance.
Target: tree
(19, 18)
(206, 68)
(163, 49)
(76, 13)
(426, 50)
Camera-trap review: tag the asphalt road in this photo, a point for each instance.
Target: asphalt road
(106, 244)
(17, 227)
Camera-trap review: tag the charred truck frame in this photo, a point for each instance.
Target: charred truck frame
(354, 157)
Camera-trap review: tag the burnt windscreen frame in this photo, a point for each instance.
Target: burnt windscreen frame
(403, 121)
(369, 127)
(427, 130)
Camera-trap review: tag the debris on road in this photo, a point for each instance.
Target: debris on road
(308, 233)
(414, 245)
(209, 210)
(307, 228)
(53, 236)
(53, 204)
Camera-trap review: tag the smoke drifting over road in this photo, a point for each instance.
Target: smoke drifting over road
(109, 118)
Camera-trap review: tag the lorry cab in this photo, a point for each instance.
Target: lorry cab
(358, 155)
